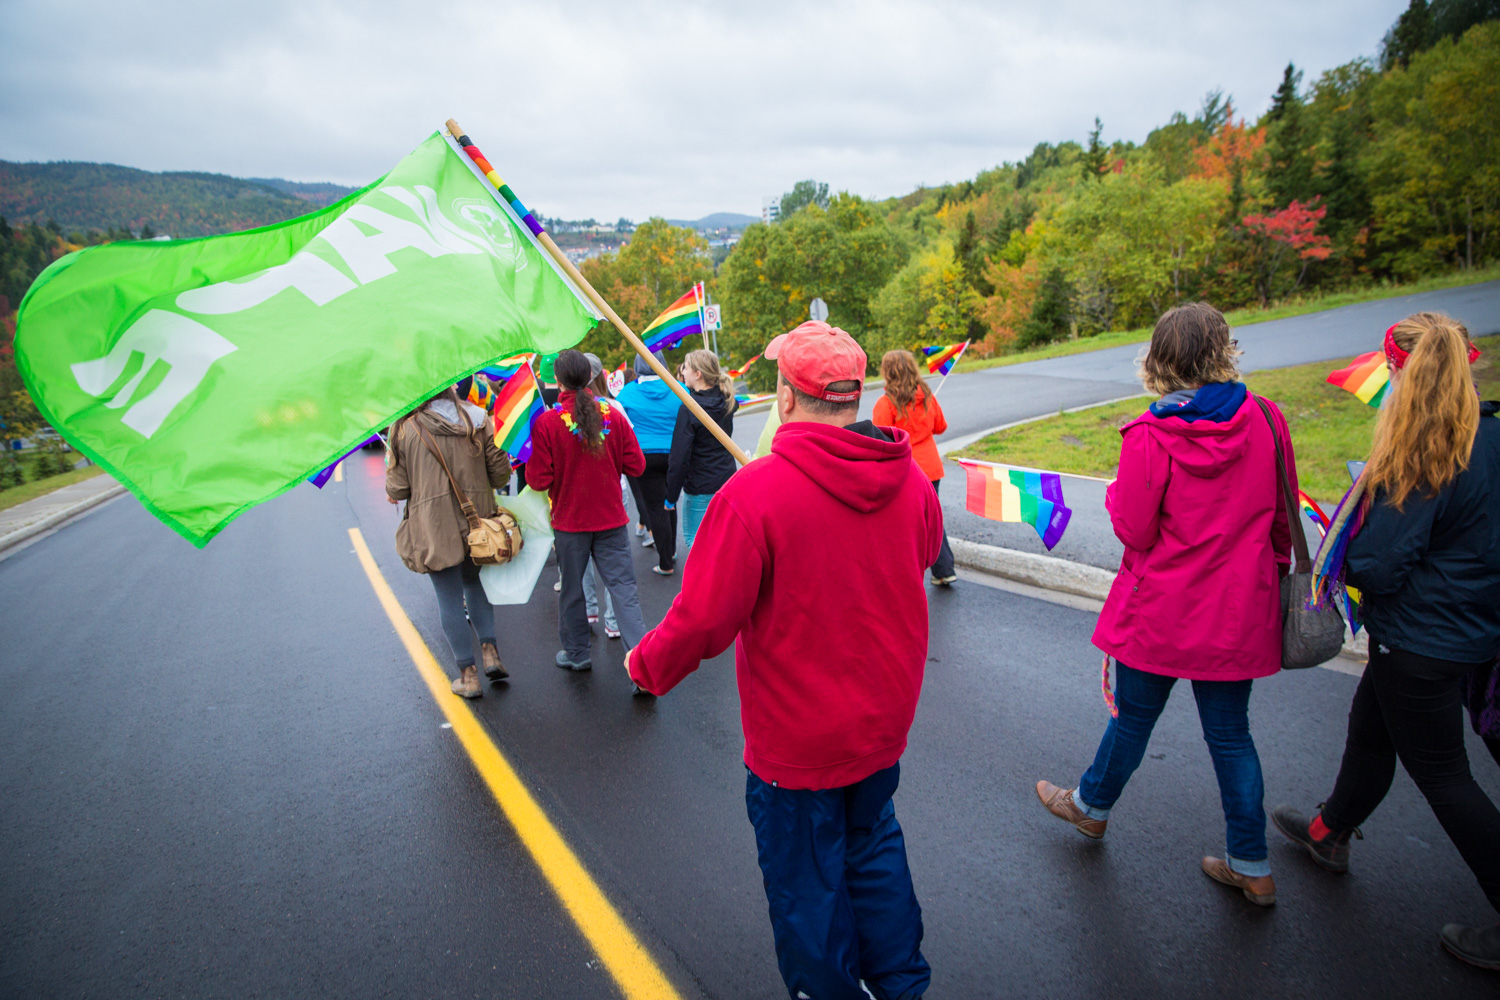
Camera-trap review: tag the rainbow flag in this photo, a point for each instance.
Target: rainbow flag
(1313, 511)
(1367, 377)
(940, 359)
(682, 318)
(502, 370)
(746, 398)
(1004, 493)
(739, 372)
(518, 404)
(482, 392)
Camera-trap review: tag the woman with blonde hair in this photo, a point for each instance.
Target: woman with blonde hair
(1427, 564)
(908, 405)
(698, 465)
(1197, 502)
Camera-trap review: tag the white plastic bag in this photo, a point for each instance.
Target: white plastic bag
(513, 582)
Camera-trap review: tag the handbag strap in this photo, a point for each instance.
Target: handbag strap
(1288, 499)
(463, 500)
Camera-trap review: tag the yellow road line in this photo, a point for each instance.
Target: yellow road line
(627, 960)
(338, 473)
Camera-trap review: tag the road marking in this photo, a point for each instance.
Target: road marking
(632, 967)
(338, 473)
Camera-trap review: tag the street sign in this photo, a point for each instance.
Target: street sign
(711, 317)
(818, 310)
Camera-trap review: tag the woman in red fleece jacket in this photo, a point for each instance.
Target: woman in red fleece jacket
(810, 561)
(578, 452)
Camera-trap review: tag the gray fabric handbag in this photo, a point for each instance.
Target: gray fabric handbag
(1309, 635)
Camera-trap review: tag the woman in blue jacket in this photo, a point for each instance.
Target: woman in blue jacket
(652, 408)
(1427, 564)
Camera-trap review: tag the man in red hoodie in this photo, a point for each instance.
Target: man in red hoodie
(811, 562)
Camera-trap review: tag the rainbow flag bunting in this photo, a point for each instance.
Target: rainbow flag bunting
(940, 359)
(1004, 493)
(518, 404)
(682, 318)
(1313, 511)
(1367, 377)
(740, 371)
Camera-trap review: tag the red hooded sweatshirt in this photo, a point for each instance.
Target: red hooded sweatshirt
(584, 485)
(811, 561)
(1206, 540)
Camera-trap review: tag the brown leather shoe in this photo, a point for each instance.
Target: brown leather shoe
(1260, 890)
(467, 685)
(493, 668)
(1059, 802)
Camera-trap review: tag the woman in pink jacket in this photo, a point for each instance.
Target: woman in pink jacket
(1198, 593)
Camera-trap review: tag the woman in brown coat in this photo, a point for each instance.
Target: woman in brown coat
(433, 536)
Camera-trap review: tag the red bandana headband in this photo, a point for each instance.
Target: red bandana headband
(1397, 357)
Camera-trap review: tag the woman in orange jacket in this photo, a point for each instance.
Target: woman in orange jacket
(908, 405)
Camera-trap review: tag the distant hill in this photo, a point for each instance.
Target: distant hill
(719, 220)
(100, 196)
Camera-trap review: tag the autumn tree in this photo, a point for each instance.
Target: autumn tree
(930, 301)
(643, 277)
(1289, 243)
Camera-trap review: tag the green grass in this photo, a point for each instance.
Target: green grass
(1329, 427)
(1296, 306)
(33, 488)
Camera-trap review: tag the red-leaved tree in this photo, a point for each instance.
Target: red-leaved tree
(1289, 240)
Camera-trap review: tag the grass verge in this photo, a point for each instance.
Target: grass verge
(41, 487)
(1245, 317)
(1329, 427)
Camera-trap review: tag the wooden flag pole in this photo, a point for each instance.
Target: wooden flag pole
(640, 348)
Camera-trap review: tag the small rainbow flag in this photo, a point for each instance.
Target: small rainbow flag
(1313, 511)
(1005, 493)
(502, 370)
(518, 404)
(746, 398)
(940, 359)
(740, 371)
(682, 318)
(1367, 377)
(482, 392)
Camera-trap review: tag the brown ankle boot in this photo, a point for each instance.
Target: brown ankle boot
(1059, 802)
(467, 685)
(493, 668)
(1259, 889)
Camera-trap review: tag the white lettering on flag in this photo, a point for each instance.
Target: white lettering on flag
(310, 274)
(187, 346)
(366, 255)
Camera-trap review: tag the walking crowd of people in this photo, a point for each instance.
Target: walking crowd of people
(811, 560)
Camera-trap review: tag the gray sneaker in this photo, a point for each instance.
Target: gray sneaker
(568, 663)
(1479, 946)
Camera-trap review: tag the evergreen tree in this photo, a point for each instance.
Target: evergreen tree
(1096, 158)
(971, 255)
(1411, 33)
(1288, 143)
(1051, 311)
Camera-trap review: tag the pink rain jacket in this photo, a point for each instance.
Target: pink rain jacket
(1206, 542)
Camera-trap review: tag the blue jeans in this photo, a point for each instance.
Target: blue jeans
(1224, 711)
(693, 507)
(842, 904)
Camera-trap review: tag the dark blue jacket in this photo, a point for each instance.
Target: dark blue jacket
(698, 463)
(1430, 575)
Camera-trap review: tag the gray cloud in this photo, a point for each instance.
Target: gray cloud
(601, 109)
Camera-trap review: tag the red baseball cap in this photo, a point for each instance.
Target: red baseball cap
(815, 355)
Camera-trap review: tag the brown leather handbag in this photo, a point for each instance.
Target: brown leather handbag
(492, 540)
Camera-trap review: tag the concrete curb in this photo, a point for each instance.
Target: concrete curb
(1078, 579)
(53, 520)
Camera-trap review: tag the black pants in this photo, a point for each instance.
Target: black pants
(944, 565)
(1411, 707)
(663, 522)
(640, 501)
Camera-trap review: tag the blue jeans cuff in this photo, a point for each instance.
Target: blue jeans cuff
(1088, 810)
(1249, 869)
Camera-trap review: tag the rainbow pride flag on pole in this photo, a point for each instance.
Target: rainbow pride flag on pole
(1313, 511)
(683, 318)
(1006, 493)
(940, 359)
(505, 368)
(518, 404)
(1367, 377)
(740, 371)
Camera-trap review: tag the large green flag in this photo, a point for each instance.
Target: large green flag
(209, 375)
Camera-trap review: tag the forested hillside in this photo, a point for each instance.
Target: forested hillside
(97, 197)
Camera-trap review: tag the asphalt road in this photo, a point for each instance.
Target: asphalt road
(222, 776)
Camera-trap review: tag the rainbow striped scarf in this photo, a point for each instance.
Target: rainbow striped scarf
(1329, 571)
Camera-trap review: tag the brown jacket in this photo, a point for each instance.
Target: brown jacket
(434, 533)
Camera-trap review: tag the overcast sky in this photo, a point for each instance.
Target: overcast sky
(633, 108)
